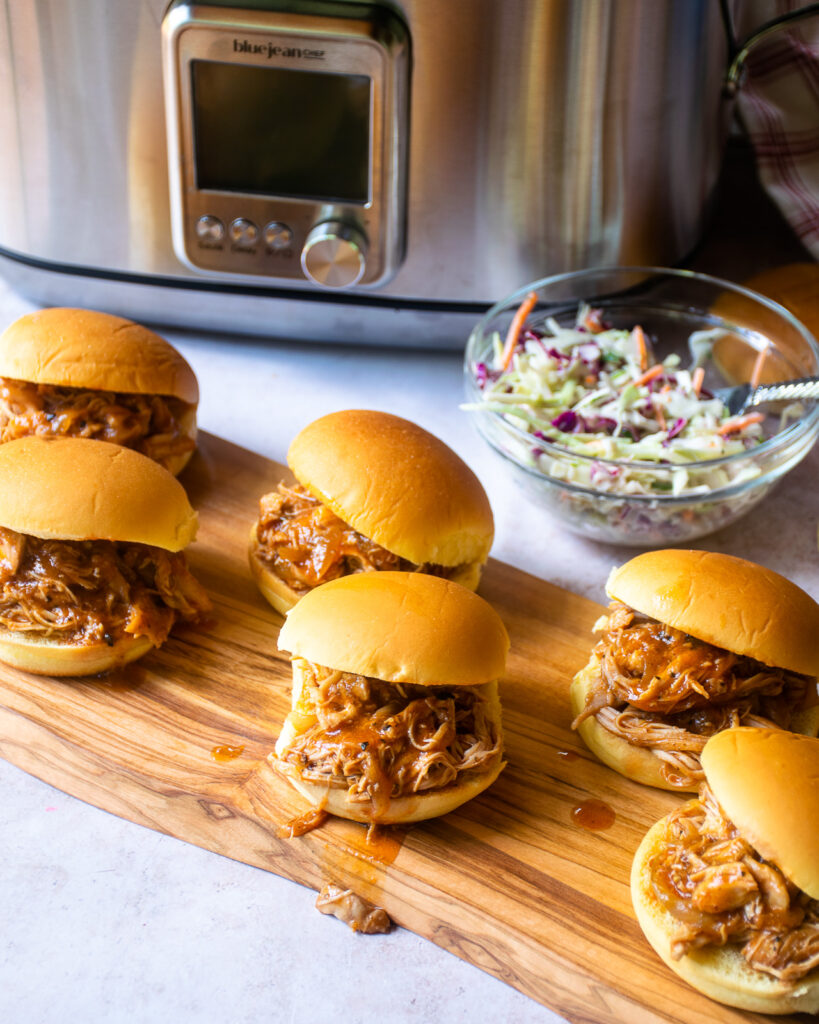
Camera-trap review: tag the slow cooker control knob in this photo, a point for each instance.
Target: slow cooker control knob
(334, 254)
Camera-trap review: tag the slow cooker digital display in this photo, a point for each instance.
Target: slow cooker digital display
(281, 132)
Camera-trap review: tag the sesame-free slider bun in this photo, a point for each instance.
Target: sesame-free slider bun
(397, 484)
(729, 602)
(76, 489)
(767, 783)
(79, 489)
(90, 351)
(81, 348)
(401, 627)
(726, 601)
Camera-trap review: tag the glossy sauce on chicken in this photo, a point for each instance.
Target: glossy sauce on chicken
(722, 891)
(89, 592)
(667, 691)
(150, 424)
(380, 740)
(305, 543)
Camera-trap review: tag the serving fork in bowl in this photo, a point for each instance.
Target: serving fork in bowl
(741, 397)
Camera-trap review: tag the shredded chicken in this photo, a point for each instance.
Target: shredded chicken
(314, 818)
(722, 891)
(148, 423)
(666, 691)
(87, 592)
(305, 543)
(353, 910)
(383, 740)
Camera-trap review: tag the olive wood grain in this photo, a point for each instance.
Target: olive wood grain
(509, 882)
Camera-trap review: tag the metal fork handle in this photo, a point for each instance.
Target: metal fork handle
(788, 391)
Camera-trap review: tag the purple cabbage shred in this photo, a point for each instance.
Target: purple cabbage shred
(569, 422)
(677, 427)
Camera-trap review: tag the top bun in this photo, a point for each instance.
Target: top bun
(401, 627)
(80, 348)
(397, 484)
(767, 782)
(73, 488)
(726, 601)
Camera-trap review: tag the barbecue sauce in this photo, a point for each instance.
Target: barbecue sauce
(594, 815)
(226, 753)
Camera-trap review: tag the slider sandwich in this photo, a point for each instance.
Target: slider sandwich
(373, 492)
(726, 889)
(395, 712)
(78, 373)
(92, 571)
(694, 642)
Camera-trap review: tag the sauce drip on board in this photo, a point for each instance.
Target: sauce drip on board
(226, 753)
(312, 818)
(594, 815)
(382, 843)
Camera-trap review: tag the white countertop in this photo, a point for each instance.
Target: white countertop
(107, 921)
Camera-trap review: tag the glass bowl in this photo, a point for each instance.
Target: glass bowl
(724, 328)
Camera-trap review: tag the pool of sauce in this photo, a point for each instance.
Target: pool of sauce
(594, 815)
(226, 753)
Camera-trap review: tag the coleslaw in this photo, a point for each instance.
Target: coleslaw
(637, 426)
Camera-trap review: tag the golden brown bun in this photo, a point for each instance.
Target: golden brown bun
(397, 484)
(76, 489)
(767, 782)
(56, 658)
(726, 601)
(720, 972)
(80, 348)
(402, 627)
(401, 810)
(638, 763)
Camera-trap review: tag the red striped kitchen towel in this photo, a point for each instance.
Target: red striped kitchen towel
(778, 102)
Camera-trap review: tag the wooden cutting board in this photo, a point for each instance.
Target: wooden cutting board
(510, 882)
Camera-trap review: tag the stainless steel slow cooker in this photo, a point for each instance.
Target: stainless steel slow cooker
(333, 170)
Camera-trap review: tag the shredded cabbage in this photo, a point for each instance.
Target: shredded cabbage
(586, 389)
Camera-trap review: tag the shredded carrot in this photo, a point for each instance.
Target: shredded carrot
(740, 422)
(658, 412)
(697, 378)
(592, 322)
(642, 348)
(649, 375)
(757, 371)
(515, 328)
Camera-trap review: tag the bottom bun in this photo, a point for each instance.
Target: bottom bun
(53, 658)
(283, 597)
(176, 463)
(720, 972)
(403, 809)
(273, 588)
(187, 428)
(639, 763)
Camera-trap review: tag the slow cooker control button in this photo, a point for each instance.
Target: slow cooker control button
(334, 255)
(243, 231)
(277, 235)
(210, 229)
